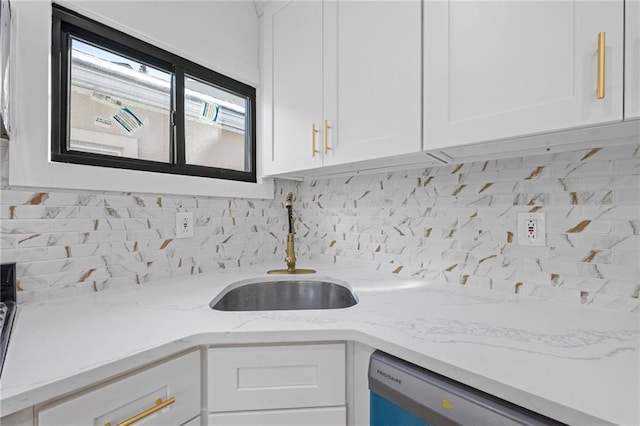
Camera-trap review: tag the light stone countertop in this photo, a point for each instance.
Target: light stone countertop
(577, 364)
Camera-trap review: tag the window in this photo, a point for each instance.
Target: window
(121, 102)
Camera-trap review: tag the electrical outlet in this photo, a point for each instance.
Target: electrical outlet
(531, 229)
(184, 225)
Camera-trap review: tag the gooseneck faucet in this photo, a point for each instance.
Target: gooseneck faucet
(290, 252)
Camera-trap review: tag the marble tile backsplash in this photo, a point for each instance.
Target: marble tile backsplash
(454, 224)
(67, 243)
(457, 224)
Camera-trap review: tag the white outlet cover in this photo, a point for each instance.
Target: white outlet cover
(184, 225)
(539, 236)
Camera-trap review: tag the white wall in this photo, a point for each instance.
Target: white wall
(220, 35)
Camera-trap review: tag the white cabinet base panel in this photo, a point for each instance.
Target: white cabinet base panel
(327, 416)
(274, 377)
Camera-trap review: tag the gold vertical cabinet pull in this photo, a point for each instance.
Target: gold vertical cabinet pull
(602, 48)
(146, 413)
(314, 151)
(326, 137)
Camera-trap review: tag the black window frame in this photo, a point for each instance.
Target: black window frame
(67, 24)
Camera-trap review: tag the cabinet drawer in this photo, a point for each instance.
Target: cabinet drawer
(130, 396)
(328, 416)
(273, 377)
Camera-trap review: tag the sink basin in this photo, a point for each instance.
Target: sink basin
(284, 295)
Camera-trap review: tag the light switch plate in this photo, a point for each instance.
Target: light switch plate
(184, 225)
(532, 230)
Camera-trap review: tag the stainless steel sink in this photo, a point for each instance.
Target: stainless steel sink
(284, 295)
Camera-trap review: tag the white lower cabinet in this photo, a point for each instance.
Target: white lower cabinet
(277, 385)
(164, 394)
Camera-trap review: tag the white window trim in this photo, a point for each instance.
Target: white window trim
(30, 146)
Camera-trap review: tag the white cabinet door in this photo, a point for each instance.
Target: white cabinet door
(342, 82)
(123, 399)
(373, 90)
(497, 70)
(329, 416)
(292, 77)
(276, 377)
(632, 60)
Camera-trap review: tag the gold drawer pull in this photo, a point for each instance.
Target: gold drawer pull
(314, 151)
(326, 137)
(146, 413)
(602, 48)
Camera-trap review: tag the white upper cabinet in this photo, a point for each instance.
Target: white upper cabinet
(292, 81)
(373, 72)
(497, 70)
(632, 60)
(342, 82)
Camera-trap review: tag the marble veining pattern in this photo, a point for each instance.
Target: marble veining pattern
(567, 361)
(457, 224)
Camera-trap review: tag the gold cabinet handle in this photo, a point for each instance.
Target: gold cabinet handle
(314, 151)
(326, 137)
(146, 413)
(602, 48)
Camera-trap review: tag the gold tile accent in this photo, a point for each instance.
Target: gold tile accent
(332, 243)
(458, 189)
(583, 296)
(509, 237)
(516, 287)
(86, 275)
(485, 187)
(30, 237)
(487, 258)
(535, 173)
(457, 169)
(463, 279)
(378, 249)
(535, 209)
(398, 269)
(579, 227)
(38, 198)
(159, 201)
(166, 243)
(574, 198)
(591, 256)
(590, 153)
(451, 268)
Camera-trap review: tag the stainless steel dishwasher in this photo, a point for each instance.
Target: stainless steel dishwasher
(403, 394)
